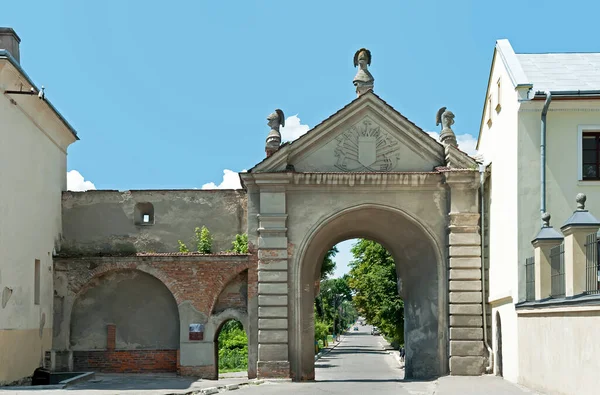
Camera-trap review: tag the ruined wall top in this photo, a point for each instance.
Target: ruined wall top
(124, 222)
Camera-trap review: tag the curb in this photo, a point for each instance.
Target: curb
(227, 387)
(393, 353)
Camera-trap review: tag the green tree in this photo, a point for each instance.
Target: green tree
(328, 265)
(332, 304)
(373, 282)
(240, 244)
(203, 240)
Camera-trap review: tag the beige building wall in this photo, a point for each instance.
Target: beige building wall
(560, 348)
(562, 164)
(497, 139)
(33, 174)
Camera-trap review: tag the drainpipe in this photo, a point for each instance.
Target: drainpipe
(486, 342)
(543, 155)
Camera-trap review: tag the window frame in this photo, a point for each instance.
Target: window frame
(581, 130)
(499, 94)
(489, 110)
(37, 281)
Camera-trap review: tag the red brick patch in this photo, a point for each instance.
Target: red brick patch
(126, 361)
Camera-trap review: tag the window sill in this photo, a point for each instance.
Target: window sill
(572, 301)
(588, 183)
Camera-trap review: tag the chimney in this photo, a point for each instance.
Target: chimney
(10, 42)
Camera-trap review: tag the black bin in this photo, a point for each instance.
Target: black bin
(41, 376)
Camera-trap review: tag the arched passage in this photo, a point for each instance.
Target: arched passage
(116, 317)
(419, 268)
(213, 330)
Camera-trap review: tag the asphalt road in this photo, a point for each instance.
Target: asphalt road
(358, 365)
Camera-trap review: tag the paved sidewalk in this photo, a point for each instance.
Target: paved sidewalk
(154, 384)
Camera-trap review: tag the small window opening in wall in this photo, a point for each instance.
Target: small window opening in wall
(144, 214)
(36, 283)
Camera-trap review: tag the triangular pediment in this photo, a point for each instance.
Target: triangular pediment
(367, 135)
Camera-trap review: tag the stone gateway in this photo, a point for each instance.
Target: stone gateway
(365, 172)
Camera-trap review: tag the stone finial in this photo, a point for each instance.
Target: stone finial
(446, 119)
(363, 80)
(580, 199)
(275, 121)
(546, 220)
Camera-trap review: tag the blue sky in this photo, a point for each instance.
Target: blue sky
(170, 94)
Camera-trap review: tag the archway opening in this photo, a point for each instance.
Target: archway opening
(358, 301)
(421, 284)
(231, 350)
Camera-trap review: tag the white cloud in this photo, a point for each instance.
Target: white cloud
(293, 129)
(76, 182)
(466, 142)
(231, 180)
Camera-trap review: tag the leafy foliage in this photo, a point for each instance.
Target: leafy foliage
(182, 246)
(240, 244)
(233, 347)
(328, 266)
(333, 306)
(374, 284)
(203, 240)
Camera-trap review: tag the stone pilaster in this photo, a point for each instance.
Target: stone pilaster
(546, 239)
(273, 358)
(576, 230)
(467, 350)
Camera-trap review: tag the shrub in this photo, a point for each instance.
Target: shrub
(240, 244)
(203, 240)
(182, 246)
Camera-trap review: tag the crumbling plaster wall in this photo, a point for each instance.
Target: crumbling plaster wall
(103, 221)
(130, 300)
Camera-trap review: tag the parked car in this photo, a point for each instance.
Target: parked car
(356, 328)
(375, 331)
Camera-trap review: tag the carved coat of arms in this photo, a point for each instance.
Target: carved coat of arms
(366, 147)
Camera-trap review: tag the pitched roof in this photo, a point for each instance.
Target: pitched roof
(558, 72)
(4, 54)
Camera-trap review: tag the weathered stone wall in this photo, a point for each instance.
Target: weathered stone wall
(196, 283)
(97, 222)
(129, 300)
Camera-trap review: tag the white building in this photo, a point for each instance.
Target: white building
(33, 156)
(550, 344)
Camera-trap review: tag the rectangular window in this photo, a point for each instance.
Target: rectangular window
(489, 110)
(590, 155)
(499, 96)
(36, 283)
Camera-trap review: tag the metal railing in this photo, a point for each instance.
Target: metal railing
(530, 279)
(557, 271)
(592, 270)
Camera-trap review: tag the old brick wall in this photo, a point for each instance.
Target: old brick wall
(209, 282)
(126, 361)
(234, 295)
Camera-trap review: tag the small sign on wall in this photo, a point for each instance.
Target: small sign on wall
(196, 332)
